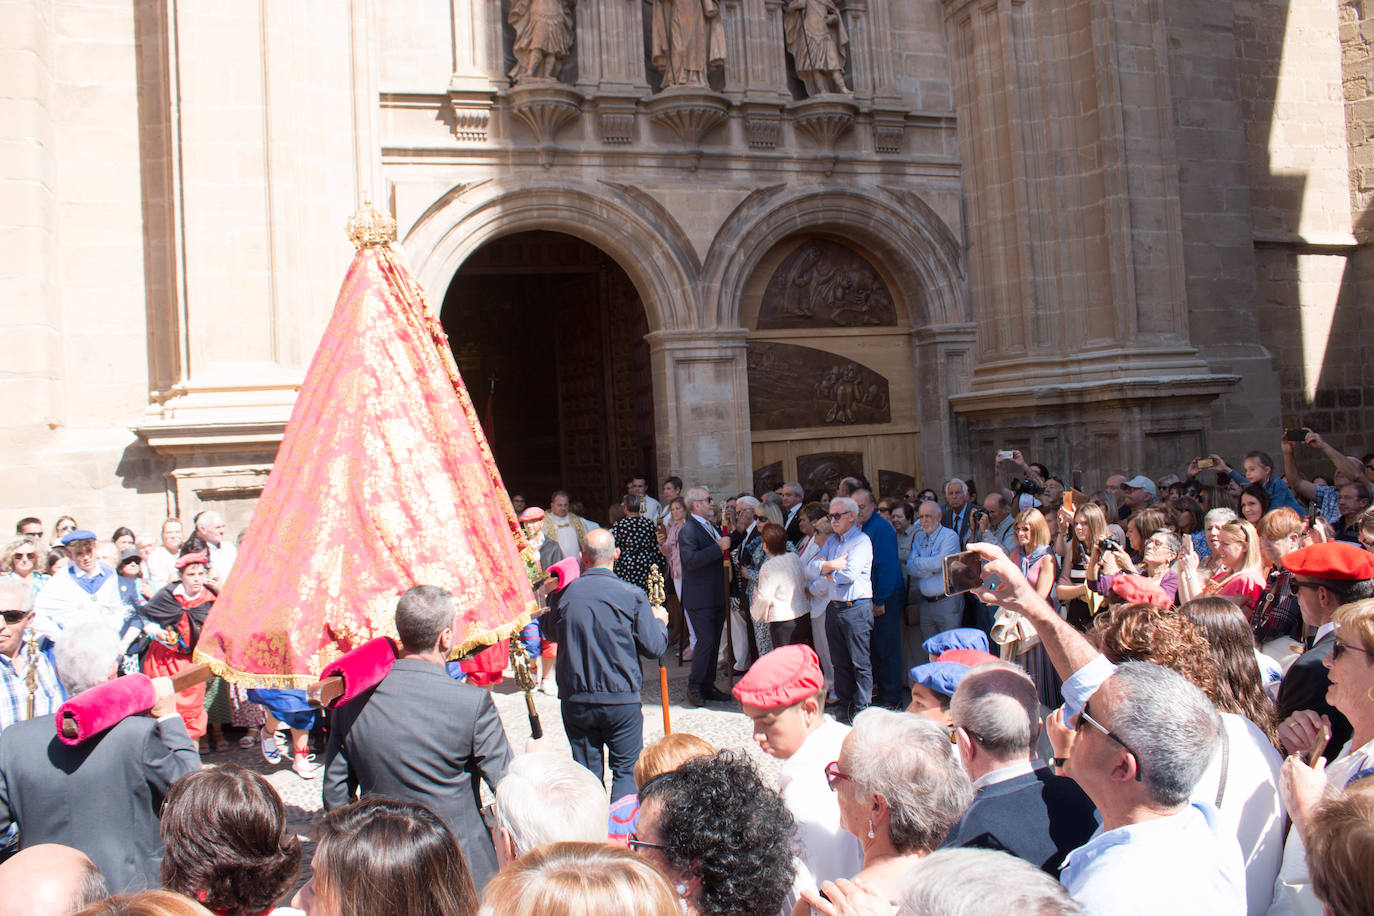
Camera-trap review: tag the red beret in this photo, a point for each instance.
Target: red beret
(532, 514)
(781, 678)
(970, 657)
(1138, 589)
(1336, 560)
(191, 558)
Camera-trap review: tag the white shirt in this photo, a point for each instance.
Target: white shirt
(1180, 865)
(817, 587)
(161, 567)
(826, 850)
(652, 509)
(565, 531)
(1293, 888)
(1002, 774)
(1250, 807)
(222, 559)
(63, 600)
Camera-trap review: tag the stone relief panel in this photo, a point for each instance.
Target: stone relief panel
(825, 470)
(768, 478)
(894, 483)
(823, 285)
(792, 386)
(818, 44)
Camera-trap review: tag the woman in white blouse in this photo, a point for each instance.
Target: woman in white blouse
(815, 528)
(780, 598)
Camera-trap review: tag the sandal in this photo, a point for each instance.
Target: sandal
(249, 739)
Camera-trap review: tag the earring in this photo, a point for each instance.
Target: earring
(870, 828)
(681, 889)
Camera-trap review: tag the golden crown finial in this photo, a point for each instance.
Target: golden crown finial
(369, 227)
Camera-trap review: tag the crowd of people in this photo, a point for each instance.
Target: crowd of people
(1156, 697)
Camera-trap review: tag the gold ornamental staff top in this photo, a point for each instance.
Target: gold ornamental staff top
(369, 227)
(656, 595)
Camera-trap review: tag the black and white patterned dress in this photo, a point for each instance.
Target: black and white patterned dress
(636, 537)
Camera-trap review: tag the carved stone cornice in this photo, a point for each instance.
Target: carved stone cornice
(825, 119)
(616, 116)
(762, 124)
(545, 106)
(691, 113)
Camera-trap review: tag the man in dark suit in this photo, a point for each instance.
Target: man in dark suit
(703, 551)
(958, 514)
(602, 625)
(792, 496)
(1325, 576)
(420, 736)
(102, 796)
(1019, 807)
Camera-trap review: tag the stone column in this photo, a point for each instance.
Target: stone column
(701, 406)
(1076, 255)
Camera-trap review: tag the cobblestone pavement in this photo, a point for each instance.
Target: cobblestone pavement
(722, 724)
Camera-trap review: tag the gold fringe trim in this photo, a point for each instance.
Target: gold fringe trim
(492, 637)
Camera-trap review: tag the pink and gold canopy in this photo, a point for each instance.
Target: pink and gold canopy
(383, 481)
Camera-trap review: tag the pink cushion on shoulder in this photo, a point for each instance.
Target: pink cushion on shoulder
(103, 706)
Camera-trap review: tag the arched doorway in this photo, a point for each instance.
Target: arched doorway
(558, 328)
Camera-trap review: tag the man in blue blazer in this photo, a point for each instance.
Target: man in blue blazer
(703, 551)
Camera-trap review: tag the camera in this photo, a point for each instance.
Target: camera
(978, 515)
(1106, 545)
(1026, 486)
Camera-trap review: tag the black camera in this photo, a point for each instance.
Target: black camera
(979, 514)
(1106, 545)
(1026, 486)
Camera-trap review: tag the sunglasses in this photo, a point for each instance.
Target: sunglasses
(1085, 717)
(13, 617)
(24, 556)
(833, 775)
(836, 516)
(1338, 649)
(62, 528)
(636, 844)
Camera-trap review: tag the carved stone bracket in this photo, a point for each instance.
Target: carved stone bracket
(762, 124)
(889, 131)
(471, 114)
(616, 118)
(545, 106)
(691, 113)
(825, 119)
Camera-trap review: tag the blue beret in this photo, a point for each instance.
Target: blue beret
(80, 534)
(961, 638)
(941, 677)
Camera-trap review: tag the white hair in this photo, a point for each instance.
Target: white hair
(545, 798)
(746, 502)
(1221, 514)
(1170, 726)
(845, 503)
(981, 882)
(86, 653)
(956, 482)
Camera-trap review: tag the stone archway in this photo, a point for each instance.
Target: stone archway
(549, 333)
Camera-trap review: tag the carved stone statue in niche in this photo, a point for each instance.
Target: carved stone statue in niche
(543, 37)
(819, 44)
(824, 284)
(687, 39)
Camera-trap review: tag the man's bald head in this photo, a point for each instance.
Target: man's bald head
(49, 880)
(599, 548)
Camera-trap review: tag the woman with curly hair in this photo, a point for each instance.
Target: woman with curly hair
(571, 879)
(1242, 781)
(900, 790)
(227, 843)
(26, 561)
(720, 834)
(379, 856)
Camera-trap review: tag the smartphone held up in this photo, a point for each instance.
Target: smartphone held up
(963, 572)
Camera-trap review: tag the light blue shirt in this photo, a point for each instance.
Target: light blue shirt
(1186, 863)
(855, 581)
(925, 563)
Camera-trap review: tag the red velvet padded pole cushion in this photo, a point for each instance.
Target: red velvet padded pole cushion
(105, 705)
(565, 571)
(363, 668)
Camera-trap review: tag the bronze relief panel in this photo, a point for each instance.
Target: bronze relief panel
(825, 285)
(792, 386)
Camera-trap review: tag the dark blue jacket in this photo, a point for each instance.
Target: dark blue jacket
(602, 624)
(887, 569)
(1038, 817)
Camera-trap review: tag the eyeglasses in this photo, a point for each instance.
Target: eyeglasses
(62, 528)
(954, 734)
(833, 775)
(1298, 583)
(636, 844)
(24, 556)
(836, 516)
(884, 511)
(13, 616)
(1085, 717)
(32, 534)
(1338, 649)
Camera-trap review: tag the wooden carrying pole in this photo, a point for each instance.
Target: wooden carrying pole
(656, 598)
(189, 677)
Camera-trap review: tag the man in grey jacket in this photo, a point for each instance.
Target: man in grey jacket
(101, 796)
(420, 736)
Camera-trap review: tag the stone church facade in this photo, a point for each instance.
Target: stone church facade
(740, 241)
